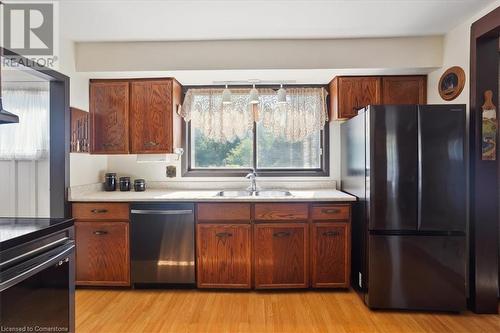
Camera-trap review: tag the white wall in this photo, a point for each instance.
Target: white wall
(456, 52)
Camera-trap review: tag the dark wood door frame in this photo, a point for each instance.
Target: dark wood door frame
(59, 128)
(484, 175)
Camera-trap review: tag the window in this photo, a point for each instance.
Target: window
(274, 139)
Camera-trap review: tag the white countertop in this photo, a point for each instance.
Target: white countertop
(204, 195)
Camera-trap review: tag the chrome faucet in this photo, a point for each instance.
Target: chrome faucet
(253, 179)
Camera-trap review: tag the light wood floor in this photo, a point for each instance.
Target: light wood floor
(183, 311)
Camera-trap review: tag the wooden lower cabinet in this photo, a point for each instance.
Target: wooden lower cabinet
(330, 253)
(281, 255)
(102, 253)
(224, 255)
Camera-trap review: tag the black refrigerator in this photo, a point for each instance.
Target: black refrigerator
(407, 166)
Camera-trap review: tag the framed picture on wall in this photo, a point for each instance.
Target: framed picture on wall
(452, 83)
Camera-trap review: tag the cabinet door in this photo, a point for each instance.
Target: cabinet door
(355, 93)
(109, 102)
(102, 253)
(281, 255)
(330, 255)
(151, 119)
(404, 89)
(224, 256)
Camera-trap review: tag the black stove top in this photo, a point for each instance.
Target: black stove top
(15, 231)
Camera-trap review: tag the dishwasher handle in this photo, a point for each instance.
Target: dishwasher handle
(161, 211)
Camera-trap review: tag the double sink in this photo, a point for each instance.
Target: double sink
(258, 193)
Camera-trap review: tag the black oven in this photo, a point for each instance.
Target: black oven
(37, 285)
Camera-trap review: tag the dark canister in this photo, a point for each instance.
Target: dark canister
(139, 185)
(110, 182)
(124, 184)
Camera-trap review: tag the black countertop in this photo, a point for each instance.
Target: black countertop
(15, 231)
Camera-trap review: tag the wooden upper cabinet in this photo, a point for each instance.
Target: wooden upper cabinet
(153, 116)
(404, 89)
(109, 117)
(348, 94)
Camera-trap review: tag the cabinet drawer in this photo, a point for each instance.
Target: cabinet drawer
(215, 212)
(100, 211)
(281, 211)
(102, 253)
(331, 212)
(224, 255)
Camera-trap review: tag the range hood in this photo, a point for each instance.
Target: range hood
(7, 117)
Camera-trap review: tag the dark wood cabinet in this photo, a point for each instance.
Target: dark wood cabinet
(102, 253)
(102, 243)
(153, 116)
(330, 253)
(404, 89)
(136, 116)
(348, 94)
(281, 251)
(109, 117)
(224, 256)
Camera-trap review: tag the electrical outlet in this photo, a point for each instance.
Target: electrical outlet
(171, 171)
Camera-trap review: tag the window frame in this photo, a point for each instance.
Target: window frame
(323, 171)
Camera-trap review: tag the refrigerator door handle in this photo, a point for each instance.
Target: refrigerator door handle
(419, 174)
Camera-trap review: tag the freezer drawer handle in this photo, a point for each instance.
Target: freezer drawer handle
(100, 232)
(330, 211)
(282, 234)
(162, 212)
(99, 211)
(331, 233)
(224, 234)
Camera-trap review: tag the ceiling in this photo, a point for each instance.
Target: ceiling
(132, 20)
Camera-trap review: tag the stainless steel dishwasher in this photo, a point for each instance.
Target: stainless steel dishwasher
(162, 243)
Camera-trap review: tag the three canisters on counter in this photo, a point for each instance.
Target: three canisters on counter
(110, 183)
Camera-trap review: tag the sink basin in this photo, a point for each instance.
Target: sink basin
(273, 193)
(234, 194)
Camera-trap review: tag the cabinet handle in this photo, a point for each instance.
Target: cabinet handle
(223, 234)
(151, 144)
(108, 145)
(282, 234)
(99, 211)
(100, 232)
(331, 233)
(330, 211)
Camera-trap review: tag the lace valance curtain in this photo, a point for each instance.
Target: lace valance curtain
(304, 113)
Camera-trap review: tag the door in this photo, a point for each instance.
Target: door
(442, 176)
(151, 116)
(224, 255)
(417, 272)
(393, 167)
(102, 253)
(281, 255)
(355, 93)
(404, 89)
(330, 254)
(109, 103)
